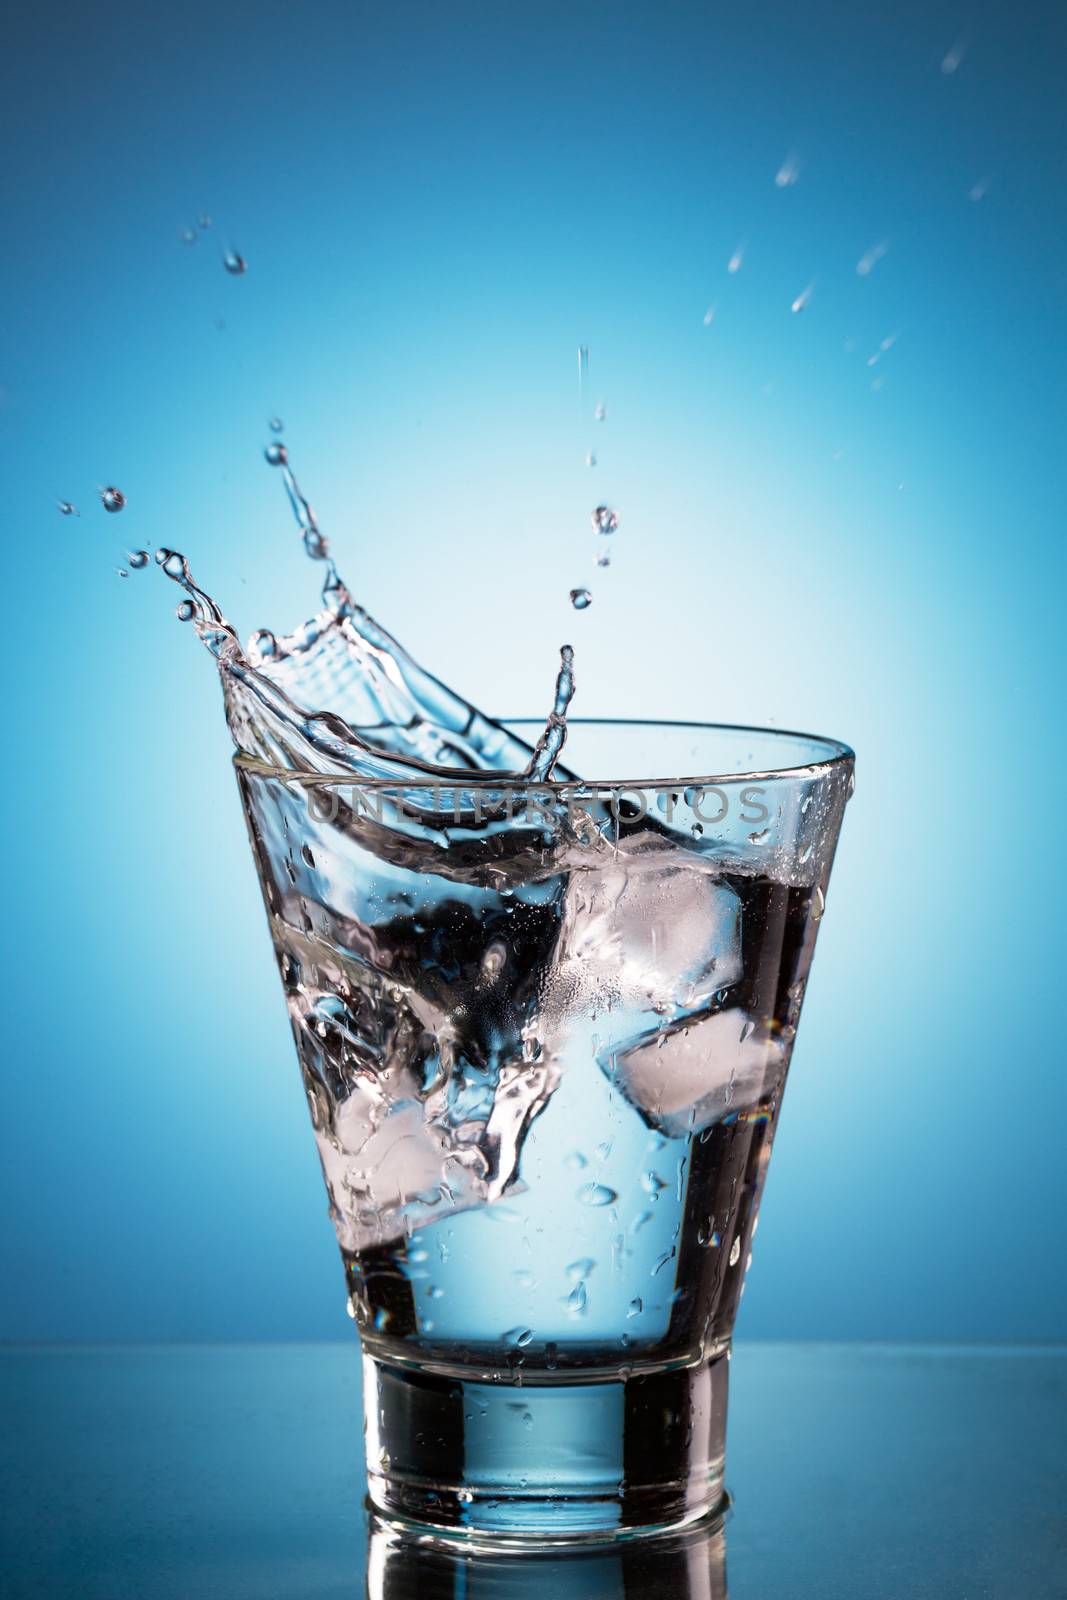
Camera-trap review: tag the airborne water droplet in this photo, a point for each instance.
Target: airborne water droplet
(597, 1194)
(604, 520)
(276, 454)
(67, 508)
(604, 558)
(120, 572)
(276, 424)
(601, 411)
(235, 264)
(186, 611)
(709, 316)
(112, 499)
(581, 599)
(138, 558)
(870, 258)
(803, 299)
(737, 260)
(788, 172)
(590, 459)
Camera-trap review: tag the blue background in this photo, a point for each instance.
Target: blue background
(438, 204)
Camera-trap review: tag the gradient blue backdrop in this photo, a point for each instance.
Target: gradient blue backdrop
(438, 204)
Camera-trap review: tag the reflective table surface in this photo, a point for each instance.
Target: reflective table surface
(235, 1471)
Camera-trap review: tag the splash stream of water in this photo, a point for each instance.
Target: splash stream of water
(387, 716)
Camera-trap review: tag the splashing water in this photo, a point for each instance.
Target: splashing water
(387, 716)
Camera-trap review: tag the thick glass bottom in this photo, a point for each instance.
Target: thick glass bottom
(510, 1466)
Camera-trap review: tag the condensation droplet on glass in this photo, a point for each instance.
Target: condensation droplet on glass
(818, 903)
(518, 1338)
(235, 264)
(735, 1251)
(604, 520)
(186, 611)
(760, 836)
(576, 1161)
(581, 599)
(597, 1194)
(112, 499)
(652, 1183)
(350, 1307)
(636, 1307)
(276, 454)
(579, 1270)
(576, 1300)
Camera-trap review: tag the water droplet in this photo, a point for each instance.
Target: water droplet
(235, 264)
(636, 1307)
(308, 858)
(818, 904)
(737, 260)
(276, 454)
(870, 258)
(583, 366)
(979, 190)
(952, 58)
(316, 544)
(186, 611)
(604, 520)
(604, 558)
(709, 316)
(67, 508)
(668, 1255)
(112, 499)
(576, 1300)
(350, 1307)
(120, 572)
(887, 344)
(581, 599)
(735, 1251)
(263, 645)
(188, 235)
(788, 172)
(578, 1270)
(518, 1338)
(590, 459)
(172, 563)
(760, 836)
(138, 558)
(597, 1194)
(652, 1183)
(707, 1236)
(601, 411)
(576, 1161)
(748, 1028)
(434, 1292)
(276, 424)
(803, 299)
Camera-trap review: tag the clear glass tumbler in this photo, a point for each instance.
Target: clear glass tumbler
(544, 1030)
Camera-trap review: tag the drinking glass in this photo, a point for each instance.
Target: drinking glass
(544, 1030)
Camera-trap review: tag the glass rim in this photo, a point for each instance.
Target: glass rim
(826, 755)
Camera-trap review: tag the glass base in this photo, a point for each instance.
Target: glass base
(506, 1465)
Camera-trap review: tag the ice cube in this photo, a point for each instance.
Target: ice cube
(646, 934)
(685, 1080)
